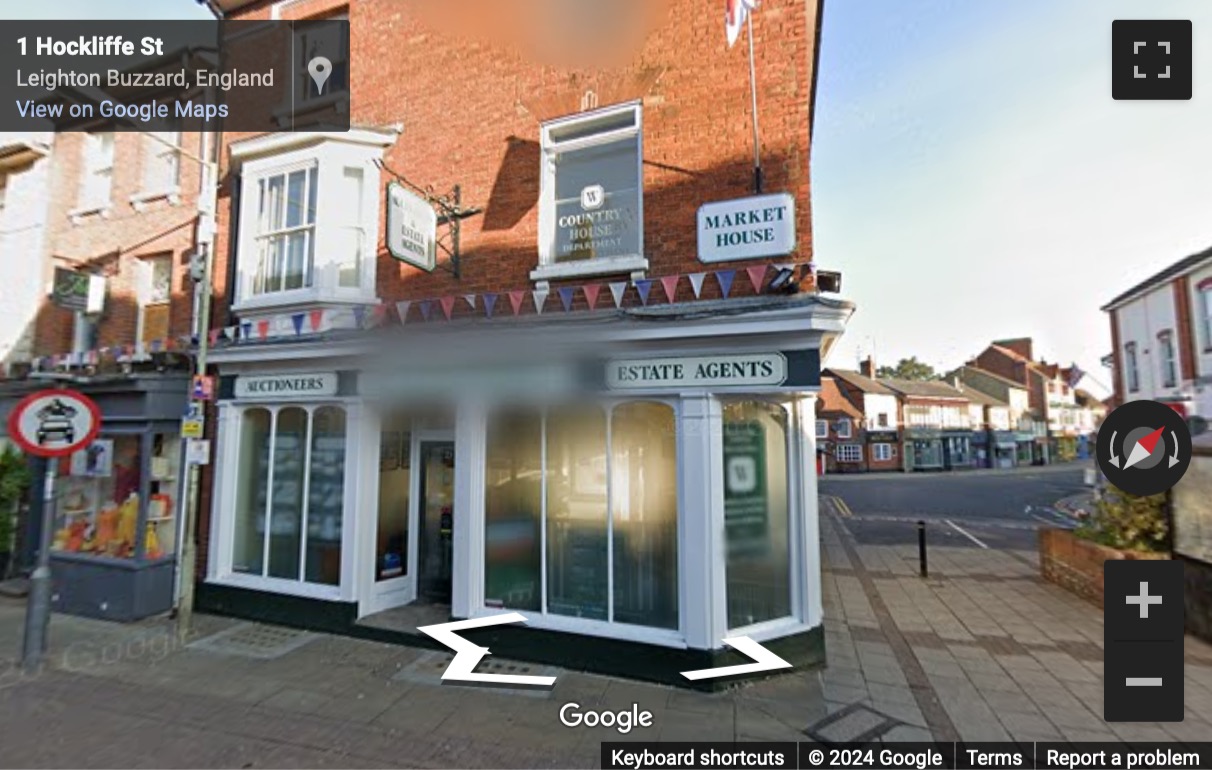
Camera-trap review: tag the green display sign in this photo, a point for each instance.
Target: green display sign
(70, 289)
(746, 507)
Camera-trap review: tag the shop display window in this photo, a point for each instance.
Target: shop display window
(756, 515)
(117, 498)
(291, 500)
(602, 485)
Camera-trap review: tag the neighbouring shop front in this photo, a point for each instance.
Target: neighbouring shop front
(115, 531)
(957, 450)
(924, 450)
(883, 449)
(1003, 449)
(590, 493)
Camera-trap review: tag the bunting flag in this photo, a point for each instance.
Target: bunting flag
(490, 304)
(592, 290)
(155, 347)
(296, 321)
(670, 284)
(725, 277)
(359, 316)
(515, 299)
(246, 330)
(402, 310)
(757, 274)
(471, 300)
(617, 290)
(426, 308)
(447, 304)
(540, 299)
(262, 329)
(696, 283)
(317, 320)
(566, 295)
(644, 286)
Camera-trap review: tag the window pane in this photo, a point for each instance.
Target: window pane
(252, 492)
(290, 443)
(295, 202)
(513, 485)
(609, 227)
(395, 479)
(296, 259)
(576, 513)
(644, 499)
(273, 203)
(326, 496)
(757, 527)
(349, 254)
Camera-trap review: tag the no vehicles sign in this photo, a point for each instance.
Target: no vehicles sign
(54, 423)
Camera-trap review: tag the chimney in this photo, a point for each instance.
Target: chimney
(867, 367)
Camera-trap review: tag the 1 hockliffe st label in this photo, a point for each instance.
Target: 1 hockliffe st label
(747, 228)
(745, 369)
(285, 386)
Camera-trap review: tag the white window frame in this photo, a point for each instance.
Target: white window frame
(1205, 298)
(881, 452)
(849, 453)
(163, 147)
(95, 196)
(1131, 368)
(548, 269)
(331, 154)
(230, 476)
(822, 429)
(846, 423)
(303, 81)
(1167, 358)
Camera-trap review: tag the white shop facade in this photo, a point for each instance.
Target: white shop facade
(655, 496)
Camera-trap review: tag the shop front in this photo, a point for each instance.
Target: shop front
(882, 450)
(115, 531)
(636, 505)
(957, 450)
(924, 449)
(1003, 448)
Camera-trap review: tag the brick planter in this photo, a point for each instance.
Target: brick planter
(1077, 564)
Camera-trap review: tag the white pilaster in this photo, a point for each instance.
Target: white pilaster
(467, 591)
(701, 546)
(809, 535)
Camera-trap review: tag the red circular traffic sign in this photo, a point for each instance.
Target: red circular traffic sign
(54, 423)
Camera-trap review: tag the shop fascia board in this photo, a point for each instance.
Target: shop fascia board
(796, 325)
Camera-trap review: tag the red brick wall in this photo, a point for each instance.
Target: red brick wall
(471, 112)
(1000, 364)
(111, 244)
(1186, 328)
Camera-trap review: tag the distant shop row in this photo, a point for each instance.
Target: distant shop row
(1002, 409)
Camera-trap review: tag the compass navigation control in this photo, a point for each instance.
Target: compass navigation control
(1144, 447)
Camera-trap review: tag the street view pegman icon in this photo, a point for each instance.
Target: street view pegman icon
(1151, 59)
(1144, 447)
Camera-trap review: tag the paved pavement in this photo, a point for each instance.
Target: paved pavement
(978, 508)
(983, 650)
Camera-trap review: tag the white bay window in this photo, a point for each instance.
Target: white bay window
(309, 219)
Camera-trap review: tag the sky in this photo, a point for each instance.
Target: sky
(974, 180)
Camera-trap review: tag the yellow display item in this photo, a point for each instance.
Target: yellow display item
(151, 543)
(128, 521)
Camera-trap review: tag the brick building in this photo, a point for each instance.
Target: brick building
(596, 402)
(936, 425)
(117, 214)
(879, 427)
(839, 430)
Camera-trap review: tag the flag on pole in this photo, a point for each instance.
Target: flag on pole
(737, 11)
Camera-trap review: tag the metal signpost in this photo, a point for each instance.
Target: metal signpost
(50, 424)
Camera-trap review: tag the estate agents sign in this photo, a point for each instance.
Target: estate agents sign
(745, 369)
(412, 228)
(747, 228)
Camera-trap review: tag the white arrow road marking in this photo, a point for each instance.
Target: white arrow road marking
(965, 533)
(468, 654)
(766, 661)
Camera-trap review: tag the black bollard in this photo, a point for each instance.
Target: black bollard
(921, 548)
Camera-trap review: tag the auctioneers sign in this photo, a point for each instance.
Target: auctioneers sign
(745, 369)
(747, 228)
(276, 387)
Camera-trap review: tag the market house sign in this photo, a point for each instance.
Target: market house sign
(274, 387)
(698, 372)
(747, 228)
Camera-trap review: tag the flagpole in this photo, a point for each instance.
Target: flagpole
(757, 156)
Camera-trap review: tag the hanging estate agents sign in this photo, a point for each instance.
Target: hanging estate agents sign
(412, 228)
(747, 228)
(731, 370)
(275, 387)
